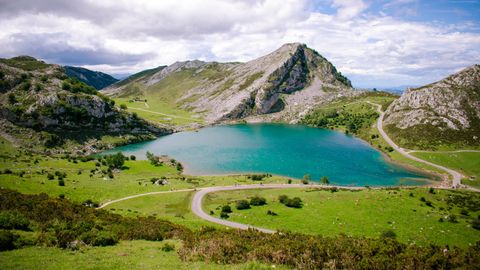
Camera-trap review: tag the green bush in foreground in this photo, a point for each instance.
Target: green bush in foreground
(242, 204)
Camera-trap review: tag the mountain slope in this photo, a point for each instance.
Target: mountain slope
(41, 106)
(96, 79)
(278, 86)
(443, 113)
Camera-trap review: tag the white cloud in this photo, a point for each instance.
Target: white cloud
(129, 36)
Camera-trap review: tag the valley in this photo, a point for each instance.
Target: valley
(287, 123)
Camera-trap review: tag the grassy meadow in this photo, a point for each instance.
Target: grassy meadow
(362, 213)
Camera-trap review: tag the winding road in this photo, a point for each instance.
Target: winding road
(456, 177)
(198, 198)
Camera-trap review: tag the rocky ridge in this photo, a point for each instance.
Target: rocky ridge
(449, 105)
(277, 86)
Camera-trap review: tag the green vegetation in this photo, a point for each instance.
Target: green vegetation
(26, 63)
(366, 213)
(468, 163)
(250, 80)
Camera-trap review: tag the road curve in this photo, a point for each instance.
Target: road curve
(456, 177)
(143, 194)
(198, 198)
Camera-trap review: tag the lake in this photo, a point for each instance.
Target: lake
(281, 149)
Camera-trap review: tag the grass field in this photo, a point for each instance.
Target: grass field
(468, 163)
(81, 184)
(174, 207)
(362, 213)
(159, 111)
(125, 255)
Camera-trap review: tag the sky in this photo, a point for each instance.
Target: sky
(376, 43)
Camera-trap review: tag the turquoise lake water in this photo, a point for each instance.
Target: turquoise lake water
(289, 150)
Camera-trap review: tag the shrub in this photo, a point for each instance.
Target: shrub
(61, 182)
(324, 180)
(464, 212)
(258, 201)
(50, 176)
(283, 198)
(7, 171)
(431, 190)
(476, 224)
(452, 218)
(7, 240)
(11, 98)
(133, 157)
(388, 234)
(294, 203)
(289, 181)
(13, 220)
(307, 177)
(167, 247)
(271, 213)
(115, 161)
(243, 204)
(226, 209)
(224, 215)
(123, 107)
(99, 238)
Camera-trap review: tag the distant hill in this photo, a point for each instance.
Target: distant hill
(97, 79)
(446, 112)
(41, 106)
(279, 86)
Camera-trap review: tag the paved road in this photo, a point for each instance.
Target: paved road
(143, 194)
(198, 198)
(456, 177)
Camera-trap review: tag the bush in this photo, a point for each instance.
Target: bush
(99, 238)
(476, 224)
(132, 157)
(123, 107)
(324, 180)
(226, 209)
(388, 234)
(294, 203)
(61, 182)
(464, 212)
(271, 213)
(283, 198)
(7, 240)
(258, 201)
(243, 204)
(13, 220)
(115, 161)
(224, 215)
(168, 247)
(50, 176)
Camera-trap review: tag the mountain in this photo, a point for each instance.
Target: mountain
(41, 106)
(446, 112)
(282, 85)
(96, 79)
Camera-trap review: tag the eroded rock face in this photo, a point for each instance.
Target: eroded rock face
(284, 82)
(452, 103)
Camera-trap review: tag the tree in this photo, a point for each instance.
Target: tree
(243, 204)
(154, 160)
(324, 180)
(115, 161)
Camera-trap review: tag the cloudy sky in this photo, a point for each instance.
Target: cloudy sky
(376, 43)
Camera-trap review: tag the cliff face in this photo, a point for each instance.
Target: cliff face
(41, 98)
(96, 79)
(445, 112)
(280, 85)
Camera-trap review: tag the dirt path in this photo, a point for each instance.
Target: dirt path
(456, 176)
(443, 152)
(164, 114)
